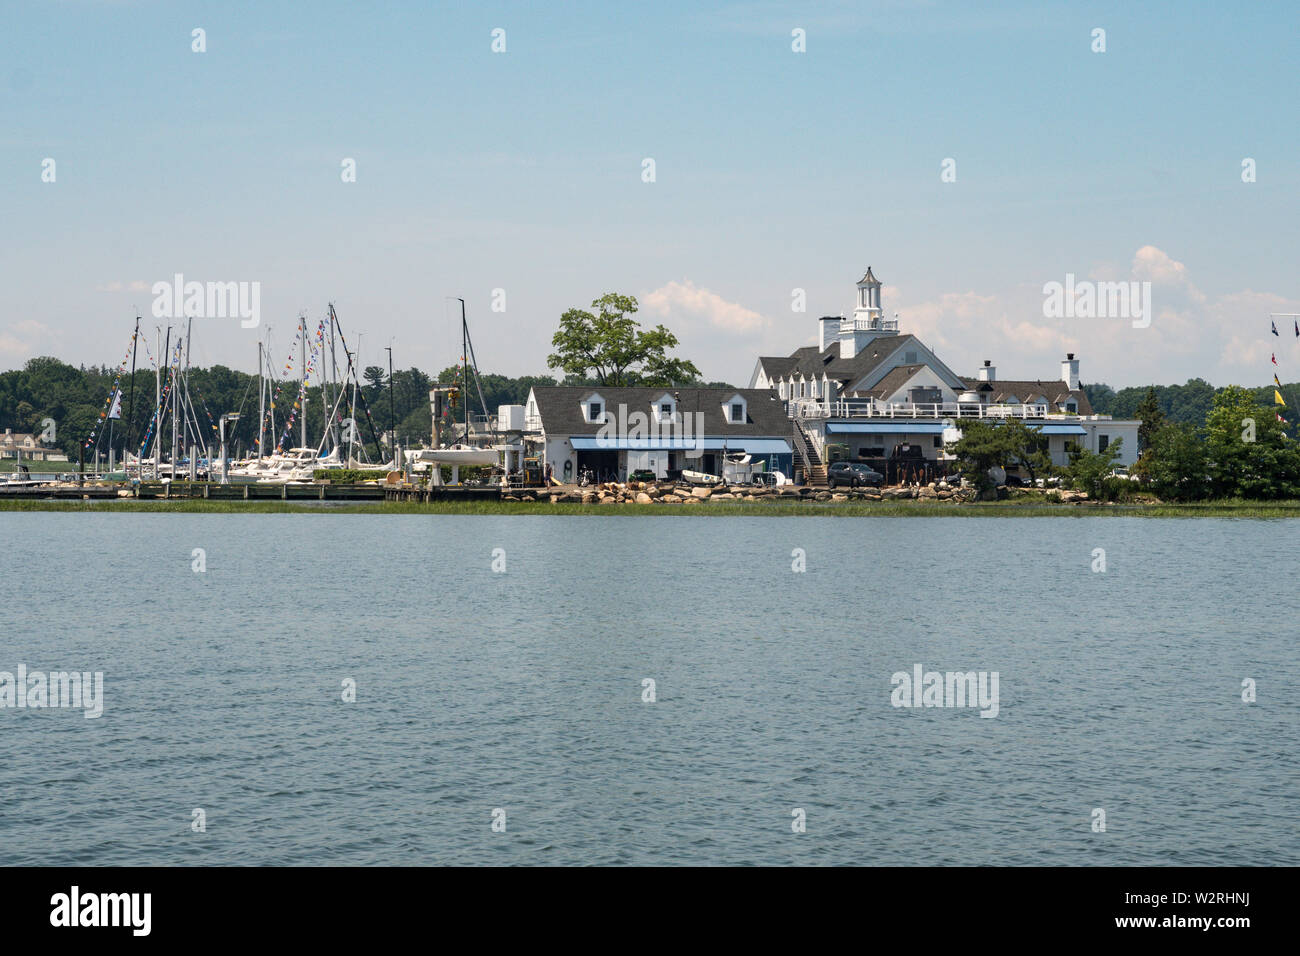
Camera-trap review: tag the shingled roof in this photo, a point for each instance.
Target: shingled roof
(560, 408)
(1057, 393)
(813, 363)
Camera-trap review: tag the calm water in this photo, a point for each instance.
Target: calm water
(522, 690)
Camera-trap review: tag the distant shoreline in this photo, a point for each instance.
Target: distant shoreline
(764, 509)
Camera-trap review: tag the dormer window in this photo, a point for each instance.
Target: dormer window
(665, 409)
(1072, 407)
(735, 410)
(593, 409)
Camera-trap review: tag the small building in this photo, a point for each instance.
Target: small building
(15, 444)
(616, 431)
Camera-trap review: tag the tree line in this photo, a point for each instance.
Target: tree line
(1238, 450)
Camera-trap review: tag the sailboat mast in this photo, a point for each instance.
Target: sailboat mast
(130, 412)
(464, 361)
(261, 403)
(302, 324)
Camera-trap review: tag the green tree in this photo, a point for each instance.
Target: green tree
(611, 345)
(1248, 454)
(1088, 470)
(1153, 419)
(982, 446)
(1027, 448)
(1176, 463)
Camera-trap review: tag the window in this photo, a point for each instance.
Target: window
(666, 410)
(938, 441)
(909, 358)
(1103, 442)
(737, 412)
(801, 389)
(593, 411)
(1072, 407)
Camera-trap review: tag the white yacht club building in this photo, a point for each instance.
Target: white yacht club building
(866, 389)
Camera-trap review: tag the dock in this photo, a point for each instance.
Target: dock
(212, 491)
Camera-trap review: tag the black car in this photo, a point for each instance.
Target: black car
(853, 474)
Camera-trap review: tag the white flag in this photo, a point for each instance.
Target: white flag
(116, 410)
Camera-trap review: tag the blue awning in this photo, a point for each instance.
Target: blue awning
(1060, 429)
(885, 428)
(755, 446)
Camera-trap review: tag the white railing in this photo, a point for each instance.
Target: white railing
(868, 325)
(869, 408)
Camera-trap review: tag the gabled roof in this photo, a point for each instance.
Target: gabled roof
(894, 380)
(560, 408)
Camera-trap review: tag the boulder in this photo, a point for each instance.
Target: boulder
(643, 499)
(701, 493)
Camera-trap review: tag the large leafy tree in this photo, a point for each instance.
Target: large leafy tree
(1248, 454)
(608, 344)
(1175, 463)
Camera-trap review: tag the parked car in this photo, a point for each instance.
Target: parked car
(853, 474)
(642, 474)
(1121, 471)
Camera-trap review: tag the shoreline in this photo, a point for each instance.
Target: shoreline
(905, 508)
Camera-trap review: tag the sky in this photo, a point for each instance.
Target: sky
(518, 179)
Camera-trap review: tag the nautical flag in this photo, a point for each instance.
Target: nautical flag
(1275, 381)
(1274, 358)
(1274, 324)
(116, 410)
(1277, 398)
(1297, 328)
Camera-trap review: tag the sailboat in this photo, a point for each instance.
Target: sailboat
(442, 399)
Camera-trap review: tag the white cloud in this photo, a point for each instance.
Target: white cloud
(1223, 338)
(684, 300)
(21, 340)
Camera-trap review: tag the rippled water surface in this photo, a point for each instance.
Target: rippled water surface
(522, 690)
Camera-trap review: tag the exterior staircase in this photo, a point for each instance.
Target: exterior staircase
(814, 469)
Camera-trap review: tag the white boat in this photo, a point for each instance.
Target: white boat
(700, 478)
(457, 455)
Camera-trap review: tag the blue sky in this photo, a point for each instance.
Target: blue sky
(774, 170)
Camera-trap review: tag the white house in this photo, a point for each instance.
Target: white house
(616, 431)
(867, 390)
